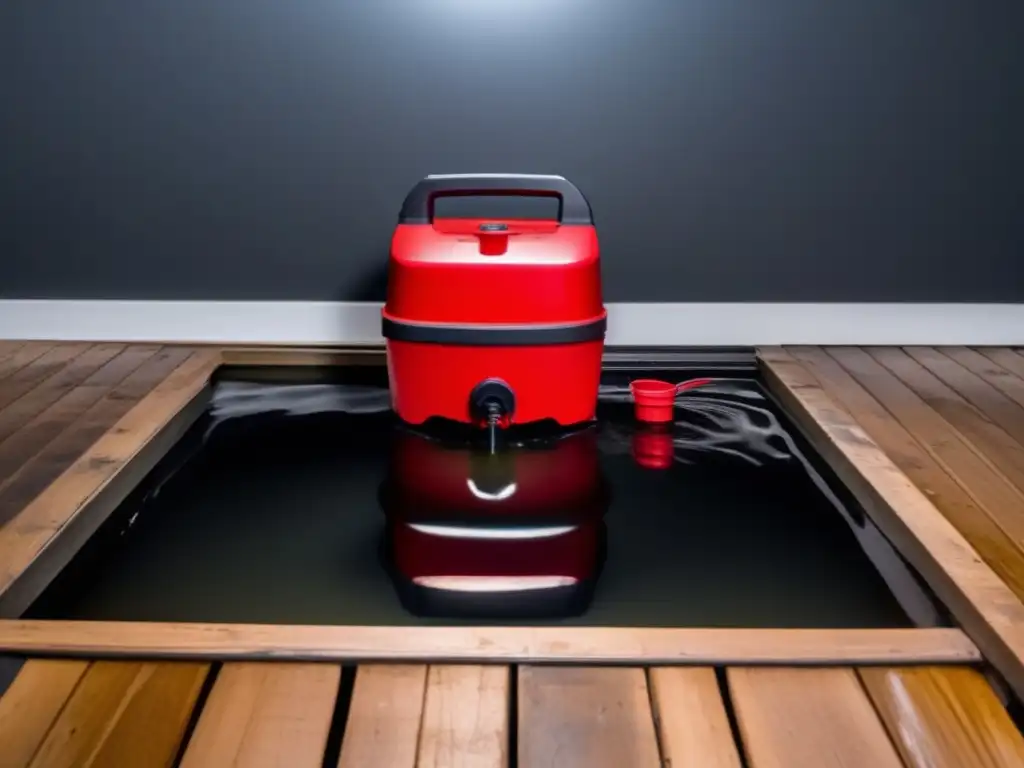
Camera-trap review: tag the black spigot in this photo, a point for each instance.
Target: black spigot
(491, 401)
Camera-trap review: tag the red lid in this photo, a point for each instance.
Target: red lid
(478, 271)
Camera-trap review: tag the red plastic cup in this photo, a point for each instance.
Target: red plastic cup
(653, 447)
(654, 401)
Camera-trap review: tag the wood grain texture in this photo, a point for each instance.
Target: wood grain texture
(265, 716)
(23, 477)
(9, 347)
(20, 358)
(944, 718)
(693, 727)
(925, 461)
(32, 704)
(805, 717)
(78, 371)
(465, 717)
(565, 645)
(585, 717)
(58, 419)
(1009, 381)
(984, 605)
(52, 362)
(301, 356)
(972, 470)
(123, 713)
(37, 526)
(989, 440)
(985, 397)
(1007, 359)
(383, 726)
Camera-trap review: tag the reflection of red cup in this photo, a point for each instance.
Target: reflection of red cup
(653, 447)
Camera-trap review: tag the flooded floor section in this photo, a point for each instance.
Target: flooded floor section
(307, 503)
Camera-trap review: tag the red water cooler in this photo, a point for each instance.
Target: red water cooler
(494, 322)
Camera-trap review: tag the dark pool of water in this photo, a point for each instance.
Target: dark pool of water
(308, 503)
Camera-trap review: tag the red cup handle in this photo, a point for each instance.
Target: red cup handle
(692, 384)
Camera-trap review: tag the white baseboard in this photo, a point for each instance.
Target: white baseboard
(630, 324)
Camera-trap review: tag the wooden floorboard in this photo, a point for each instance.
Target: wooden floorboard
(984, 396)
(53, 362)
(45, 393)
(21, 482)
(691, 718)
(117, 713)
(45, 534)
(22, 356)
(988, 439)
(123, 713)
(32, 705)
(265, 715)
(544, 644)
(466, 711)
(944, 718)
(996, 496)
(586, 717)
(987, 365)
(798, 717)
(929, 464)
(384, 716)
(963, 408)
(981, 602)
(1007, 359)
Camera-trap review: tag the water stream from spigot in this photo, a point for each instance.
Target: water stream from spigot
(493, 420)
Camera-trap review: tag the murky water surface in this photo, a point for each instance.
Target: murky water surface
(308, 503)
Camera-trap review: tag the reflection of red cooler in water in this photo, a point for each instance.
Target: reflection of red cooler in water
(516, 534)
(494, 321)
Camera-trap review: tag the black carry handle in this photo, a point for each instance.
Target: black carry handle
(418, 207)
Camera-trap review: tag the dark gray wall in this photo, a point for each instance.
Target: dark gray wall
(764, 150)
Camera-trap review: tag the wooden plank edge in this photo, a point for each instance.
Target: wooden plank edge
(533, 645)
(304, 356)
(25, 575)
(976, 596)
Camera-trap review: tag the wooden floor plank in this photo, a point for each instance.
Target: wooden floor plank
(585, 717)
(1008, 381)
(49, 423)
(8, 348)
(70, 507)
(384, 717)
(23, 356)
(300, 357)
(124, 713)
(994, 494)
(974, 594)
(798, 717)
(48, 391)
(32, 476)
(692, 724)
(989, 439)
(465, 717)
(921, 465)
(565, 645)
(32, 704)
(974, 389)
(53, 361)
(1007, 359)
(944, 718)
(262, 715)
